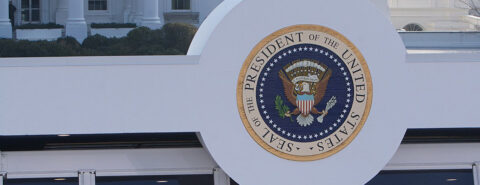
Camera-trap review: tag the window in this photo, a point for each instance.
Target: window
(413, 27)
(427, 177)
(180, 4)
(97, 4)
(156, 180)
(44, 181)
(30, 11)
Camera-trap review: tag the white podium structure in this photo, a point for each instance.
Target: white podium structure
(200, 93)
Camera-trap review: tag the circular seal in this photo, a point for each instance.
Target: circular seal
(304, 92)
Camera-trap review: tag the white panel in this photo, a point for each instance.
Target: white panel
(475, 174)
(220, 177)
(2, 177)
(99, 99)
(86, 177)
(435, 156)
(108, 162)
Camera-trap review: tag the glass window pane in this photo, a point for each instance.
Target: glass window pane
(97, 5)
(35, 15)
(442, 177)
(91, 5)
(49, 181)
(35, 3)
(180, 4)
(103, 5)
(26, 15)
(174, 4)
(156, 180)
(25, 4)
(187, 4)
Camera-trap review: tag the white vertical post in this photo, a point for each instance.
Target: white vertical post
(138, 11)
(5, 24)
(62, 12)
(476, 171)
(220, 177)
(150, 14)
(128, 11)
(45, 12)
(86, 177)
(2, 177)
(76, 26)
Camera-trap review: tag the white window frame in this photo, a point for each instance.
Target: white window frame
(98, 12)
(30, 9)
(88, 5)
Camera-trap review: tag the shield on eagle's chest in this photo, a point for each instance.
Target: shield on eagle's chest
(305, 103)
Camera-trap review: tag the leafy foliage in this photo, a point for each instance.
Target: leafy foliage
(112, 25)
(281, 107)
(172, 39)
(39, 26)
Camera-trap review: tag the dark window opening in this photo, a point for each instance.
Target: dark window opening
(412, 27)
(43, 181)
(180, 4)
(424, 177)
(30, 11)
(97, 5)
(99, 141)
(156, 180)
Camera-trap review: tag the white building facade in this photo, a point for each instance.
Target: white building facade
(433, 15)
(76, 15)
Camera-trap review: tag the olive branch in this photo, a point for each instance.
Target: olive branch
(281, 107)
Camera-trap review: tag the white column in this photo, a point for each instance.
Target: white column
(62, 12)
(138, 11)
(2, 177)
(86, 177)
(476, 173)
(220, 177)
(127, 12)
(150, 14)
(76, 26)
(45, 12)
(5, 24)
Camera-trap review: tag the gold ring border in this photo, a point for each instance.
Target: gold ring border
(247, 63)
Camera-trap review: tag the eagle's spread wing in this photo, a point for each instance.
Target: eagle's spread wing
(288, 88)
(321, 87)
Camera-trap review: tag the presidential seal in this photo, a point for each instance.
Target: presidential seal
(304, 92)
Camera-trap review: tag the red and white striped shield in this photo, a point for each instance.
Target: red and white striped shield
(305, 103)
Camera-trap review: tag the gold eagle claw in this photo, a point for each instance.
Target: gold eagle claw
(288, 114)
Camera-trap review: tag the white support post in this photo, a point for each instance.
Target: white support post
(5, 24)
(2, 177)
(62, 12)
(86, 177)
(127, 12)
(150, 14)
(76, 26)
(220, 177)
(476, 171)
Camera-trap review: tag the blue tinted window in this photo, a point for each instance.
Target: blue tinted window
(440, 177)
(157, 180)
(46, 181)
